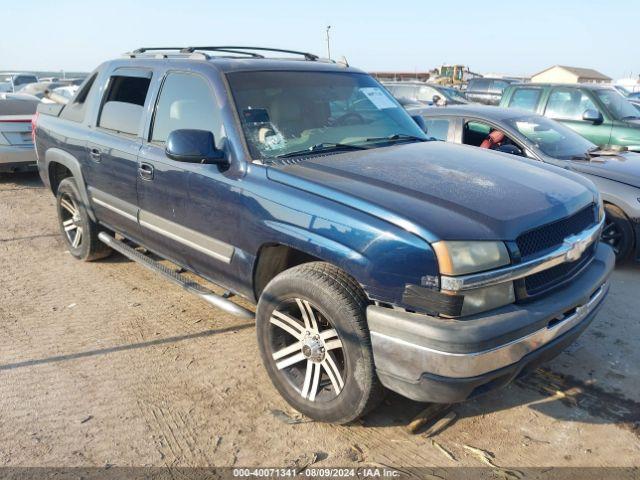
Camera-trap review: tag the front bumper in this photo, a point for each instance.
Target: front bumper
(441, 360)
(14, 157)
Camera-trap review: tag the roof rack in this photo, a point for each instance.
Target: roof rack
(250, 51)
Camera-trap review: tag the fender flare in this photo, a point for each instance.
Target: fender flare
(320, 247)
(56, 155)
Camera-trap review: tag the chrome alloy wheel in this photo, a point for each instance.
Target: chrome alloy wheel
(71, 220)
(307, 350)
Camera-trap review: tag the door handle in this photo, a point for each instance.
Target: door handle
(95, 154)
(145, 171)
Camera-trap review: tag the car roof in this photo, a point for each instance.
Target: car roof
(589, 86)
(234, 61)
(496, 114)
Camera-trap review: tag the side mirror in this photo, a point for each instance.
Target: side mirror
(510, 149)
(593, 116)
(420, 122)
(193, 146)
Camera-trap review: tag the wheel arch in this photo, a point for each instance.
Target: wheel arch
(275, 257)
(58, 165)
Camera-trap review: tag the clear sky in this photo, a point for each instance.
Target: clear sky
(510, 37)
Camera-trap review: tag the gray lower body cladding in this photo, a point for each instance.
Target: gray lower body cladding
(439, 360)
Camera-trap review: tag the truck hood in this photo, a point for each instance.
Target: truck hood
(624, 168)
(442, 191)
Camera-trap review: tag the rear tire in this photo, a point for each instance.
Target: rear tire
(618, 232)
(315, 344)
(79, 232)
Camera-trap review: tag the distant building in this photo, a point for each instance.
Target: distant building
(401, 76)
(563, 74)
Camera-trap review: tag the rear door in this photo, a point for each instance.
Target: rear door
(568, 104)
(112, 152)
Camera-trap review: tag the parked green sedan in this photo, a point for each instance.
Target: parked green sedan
(597, 112)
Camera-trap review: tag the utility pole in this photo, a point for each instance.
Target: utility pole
(328, 43)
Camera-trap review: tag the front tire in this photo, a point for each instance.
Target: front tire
(618, 232)
(315, 344)
(79, 232)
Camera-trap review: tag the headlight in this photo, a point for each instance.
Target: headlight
(461, 258)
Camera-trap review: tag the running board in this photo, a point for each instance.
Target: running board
(171, 275)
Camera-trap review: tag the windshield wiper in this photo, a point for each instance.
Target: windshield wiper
(630, 117)
(322, 147)
(397, 137)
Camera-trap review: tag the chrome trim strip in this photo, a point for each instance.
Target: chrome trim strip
(404, 358)
(115, 204)
(190, 238)
(108, 206)
(209, 246)
(571, 250)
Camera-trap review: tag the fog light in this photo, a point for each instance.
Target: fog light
(488, 298)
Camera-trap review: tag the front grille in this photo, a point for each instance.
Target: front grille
(552, 234)
(542, 282)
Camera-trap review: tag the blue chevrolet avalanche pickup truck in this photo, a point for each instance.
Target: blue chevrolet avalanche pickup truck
(376, 258)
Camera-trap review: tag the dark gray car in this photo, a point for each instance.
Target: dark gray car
(486, 90)
(616, 173)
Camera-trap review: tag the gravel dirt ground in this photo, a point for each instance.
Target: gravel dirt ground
(105, 363)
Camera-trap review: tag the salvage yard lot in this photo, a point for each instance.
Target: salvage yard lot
(105, 363)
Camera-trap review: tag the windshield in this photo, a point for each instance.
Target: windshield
(286, 112)
(617, 104)
(552, 138)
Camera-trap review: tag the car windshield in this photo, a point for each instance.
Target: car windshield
(453, 94)
(617, 104)
(552, 138)
(284, 112)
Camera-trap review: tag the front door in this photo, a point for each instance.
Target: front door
(568, 104)
(186, 208)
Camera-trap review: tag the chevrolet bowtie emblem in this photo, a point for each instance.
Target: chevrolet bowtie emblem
(577, 247)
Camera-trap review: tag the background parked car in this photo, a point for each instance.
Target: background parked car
(60, 94)
(597, 112)
(13, 81)
(486, 90)
(425, 93)
(39, 88)
(16, 142)
(616, 173)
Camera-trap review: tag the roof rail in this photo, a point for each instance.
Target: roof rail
(243, 50)
(249, 51)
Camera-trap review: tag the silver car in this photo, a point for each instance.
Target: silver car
(12, 82)
(16, 142)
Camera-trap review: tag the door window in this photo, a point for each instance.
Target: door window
(525, 98)
(479, 85)
(186, 102)
(498, 86)
(483, 135)
(437, 128)
(124, 103)
(568, 104)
